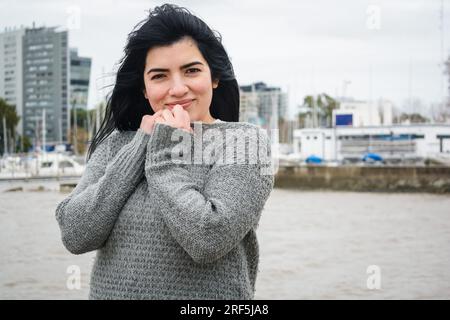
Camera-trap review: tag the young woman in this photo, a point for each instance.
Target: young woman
(165, 228)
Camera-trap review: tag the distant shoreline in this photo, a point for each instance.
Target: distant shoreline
(432, 179)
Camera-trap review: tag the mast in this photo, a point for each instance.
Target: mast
(5, 142)
(43, 131)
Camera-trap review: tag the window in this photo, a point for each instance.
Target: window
(79, 82)
(46, 164)
(36, 47)
(65, 164)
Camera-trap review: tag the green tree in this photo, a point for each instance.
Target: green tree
(321, 108)
(24, 145)
(328, 105)
(8, 112)
(85, 128)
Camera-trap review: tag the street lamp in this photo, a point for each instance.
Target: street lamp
(345, 83)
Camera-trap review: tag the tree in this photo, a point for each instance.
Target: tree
(439, 112)
(445, 111)
(8, 112)
(321, 108)
(86, 127)
(24, 145)
(411, 118)
(328, 104)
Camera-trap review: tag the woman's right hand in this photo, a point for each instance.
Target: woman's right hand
(148, 122)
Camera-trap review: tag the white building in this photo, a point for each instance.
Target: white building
(362, 113)
(391, 142)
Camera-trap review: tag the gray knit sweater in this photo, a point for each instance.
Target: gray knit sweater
(165, 228)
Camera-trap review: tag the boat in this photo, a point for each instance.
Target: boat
(40, 165)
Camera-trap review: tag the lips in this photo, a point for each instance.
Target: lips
(184, 103)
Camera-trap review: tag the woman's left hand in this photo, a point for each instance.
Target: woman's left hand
(177, 118)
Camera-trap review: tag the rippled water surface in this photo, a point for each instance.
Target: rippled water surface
(313, 245)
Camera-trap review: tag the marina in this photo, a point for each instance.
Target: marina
(366, 177)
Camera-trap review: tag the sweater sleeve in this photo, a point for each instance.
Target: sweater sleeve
(207, 222)
(87, 216)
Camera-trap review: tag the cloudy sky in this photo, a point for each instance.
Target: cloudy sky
(382, 48)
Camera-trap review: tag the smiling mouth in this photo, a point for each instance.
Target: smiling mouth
(185, 105)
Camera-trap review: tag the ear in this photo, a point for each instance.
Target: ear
(145, 94)
(215, 84)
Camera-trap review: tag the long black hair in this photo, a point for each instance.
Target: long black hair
(164, 26)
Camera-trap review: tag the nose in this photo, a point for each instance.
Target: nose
(178, 87)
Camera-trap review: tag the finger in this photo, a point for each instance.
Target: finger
(182, 116)
(187, 118)
(157, 113)
(167, 115)
(178, 112)
(146, 119)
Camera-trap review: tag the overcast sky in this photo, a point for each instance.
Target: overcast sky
(386, 48)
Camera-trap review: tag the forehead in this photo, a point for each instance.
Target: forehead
(174, 55)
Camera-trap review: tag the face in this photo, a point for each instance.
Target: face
(178, 74)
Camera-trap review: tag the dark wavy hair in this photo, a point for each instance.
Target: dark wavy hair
(165, 25)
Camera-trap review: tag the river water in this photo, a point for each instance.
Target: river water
(313, 245)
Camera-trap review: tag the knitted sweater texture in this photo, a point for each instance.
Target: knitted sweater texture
(165, 225)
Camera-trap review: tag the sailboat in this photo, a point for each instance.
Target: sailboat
(40, 164)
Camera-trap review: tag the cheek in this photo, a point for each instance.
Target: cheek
(155, 94)
(203, 87)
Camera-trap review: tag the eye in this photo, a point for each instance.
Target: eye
(158, 76)
(194, 70)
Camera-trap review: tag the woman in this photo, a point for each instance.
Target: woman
(166, 228)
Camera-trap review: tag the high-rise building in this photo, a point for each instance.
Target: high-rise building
(11, 69)
(262, 105)
(80, 69)
(38, 73)
(248, 107)
(45, 84)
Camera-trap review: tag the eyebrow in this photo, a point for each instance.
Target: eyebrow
(182, 67)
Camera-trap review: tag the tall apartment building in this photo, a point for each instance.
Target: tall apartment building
(34, 76)
(80, 69)
(46, 83)
(262, 105)
(11, 69)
